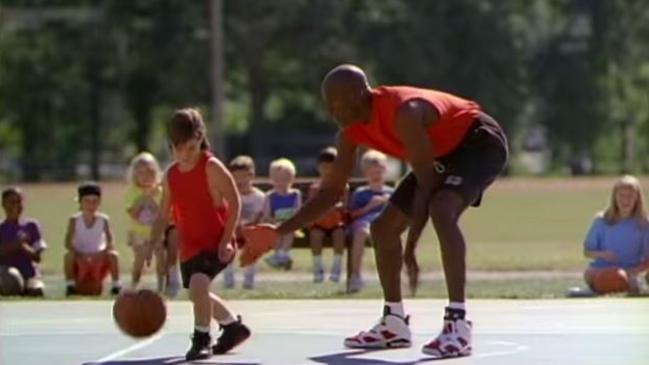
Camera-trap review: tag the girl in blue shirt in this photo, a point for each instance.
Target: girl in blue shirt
(619, 236)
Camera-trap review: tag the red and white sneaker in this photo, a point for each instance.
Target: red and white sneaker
(392, 331)
(454, 341)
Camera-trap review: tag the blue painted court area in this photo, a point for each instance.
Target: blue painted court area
(575, 332)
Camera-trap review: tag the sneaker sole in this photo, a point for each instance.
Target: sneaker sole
(437, 355)
(239, 342)
(389, 345)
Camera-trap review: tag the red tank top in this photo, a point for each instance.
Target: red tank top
(200, 223)
(456, 115)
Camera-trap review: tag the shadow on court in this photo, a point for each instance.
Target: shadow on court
(345, 358)
(172, 361)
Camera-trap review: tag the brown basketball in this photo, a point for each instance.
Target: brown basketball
(612, 280)
(88, 287)
(139, 314)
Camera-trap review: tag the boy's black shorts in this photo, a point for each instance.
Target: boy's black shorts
(469, 169)
(206, 262)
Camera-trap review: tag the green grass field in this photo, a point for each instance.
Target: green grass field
(524, 225)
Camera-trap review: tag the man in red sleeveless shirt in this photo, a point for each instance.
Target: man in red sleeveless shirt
(455, 151)
(200, 193)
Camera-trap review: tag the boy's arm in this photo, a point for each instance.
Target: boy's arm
(109, 236)
(222, 184)
(69, 235)
(331, 190)
(266, 215)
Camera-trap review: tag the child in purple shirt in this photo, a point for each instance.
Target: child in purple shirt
(21, 242)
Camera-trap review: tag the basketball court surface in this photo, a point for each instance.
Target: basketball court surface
(545, 332)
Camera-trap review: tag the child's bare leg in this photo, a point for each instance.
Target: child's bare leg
(338, 238)
(113, 261)
(161, 268)
(68, 266)
(316, 236)
(199, 294)
(359, 238)
(220, 312)
(138, 265)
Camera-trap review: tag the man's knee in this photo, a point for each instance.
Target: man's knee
(385, 226)
(445, 207)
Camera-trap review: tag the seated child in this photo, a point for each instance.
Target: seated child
(21, 243)
(89, 243)
(252, 206)
(330, 224)
(281, 203)
(365, 206)
(619, 236)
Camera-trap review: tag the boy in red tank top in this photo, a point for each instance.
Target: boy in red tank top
(200, 193)
(455, 150)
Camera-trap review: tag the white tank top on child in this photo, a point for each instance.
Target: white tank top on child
(89, 239)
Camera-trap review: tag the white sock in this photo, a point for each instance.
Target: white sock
(338, 260)
(396, 308)
(250, 270)
(116, 284)
(457, 305)
(229, 320)
(172, 272)
(202, 329)
(317, 261)
(69, 283)
(284, 254)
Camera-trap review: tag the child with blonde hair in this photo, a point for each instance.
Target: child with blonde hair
(365, 206)
(143, 206)
(281, 203)
(619, 235)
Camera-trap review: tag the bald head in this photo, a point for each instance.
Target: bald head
(344, 77)
(347, 93)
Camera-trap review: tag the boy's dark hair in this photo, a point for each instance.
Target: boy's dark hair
(242, 163)
(186, 124)
(12, 190)
(328, 155)
(88, 188)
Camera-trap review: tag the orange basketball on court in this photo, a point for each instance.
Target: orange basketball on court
(612, 280)
(139, 314)
(89, 287)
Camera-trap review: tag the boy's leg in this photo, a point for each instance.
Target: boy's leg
(316, 236)
(69, 261)
(113, 261)
(161, 268)
(138, 264)
(234, 331)
(199, 294)
(360, 234)
(338, 242)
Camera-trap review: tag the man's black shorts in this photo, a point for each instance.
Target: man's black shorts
(469, 169)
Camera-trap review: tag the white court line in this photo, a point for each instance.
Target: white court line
(128, 350)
